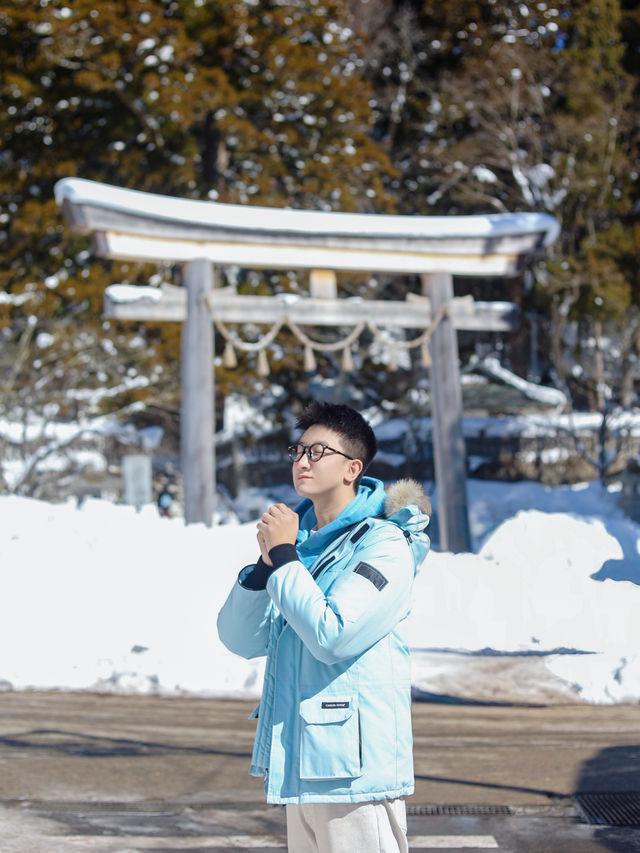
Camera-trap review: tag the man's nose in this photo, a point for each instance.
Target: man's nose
(304, 460)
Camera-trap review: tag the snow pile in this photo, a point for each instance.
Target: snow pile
(530, 594)
(103, 598)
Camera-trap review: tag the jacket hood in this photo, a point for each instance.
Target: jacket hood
(404, 503)
(369, 501)
(407, 506)
(405, 493)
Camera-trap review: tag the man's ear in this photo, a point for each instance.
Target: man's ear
(354, 469)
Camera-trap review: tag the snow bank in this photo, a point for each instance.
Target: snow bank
(529, 597)
(103, 598)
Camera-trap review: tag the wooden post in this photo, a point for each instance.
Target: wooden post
(446, 413)
(197, 410)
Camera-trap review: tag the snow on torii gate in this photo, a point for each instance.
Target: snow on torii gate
(132, 225)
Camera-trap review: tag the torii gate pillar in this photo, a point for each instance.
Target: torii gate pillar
(446, 414)
(197, 449)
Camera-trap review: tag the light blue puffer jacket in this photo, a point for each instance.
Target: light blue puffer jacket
(334, 721)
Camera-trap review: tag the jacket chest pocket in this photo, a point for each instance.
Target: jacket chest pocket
(330, 738)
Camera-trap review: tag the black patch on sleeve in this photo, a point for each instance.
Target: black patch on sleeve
(335, 705)
(371, 574)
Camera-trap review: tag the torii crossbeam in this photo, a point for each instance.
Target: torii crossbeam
(128, 224)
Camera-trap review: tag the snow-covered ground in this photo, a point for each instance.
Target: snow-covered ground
(546, 610)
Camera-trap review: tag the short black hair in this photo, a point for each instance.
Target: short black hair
(358, 439)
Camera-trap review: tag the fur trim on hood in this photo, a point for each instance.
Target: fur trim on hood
(405, 492)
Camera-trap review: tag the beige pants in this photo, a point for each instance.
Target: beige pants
(372, 827)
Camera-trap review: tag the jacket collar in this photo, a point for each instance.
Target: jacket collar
(369, 501)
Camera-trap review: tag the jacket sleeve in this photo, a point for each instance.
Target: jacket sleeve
(364, 603)
(245, 619)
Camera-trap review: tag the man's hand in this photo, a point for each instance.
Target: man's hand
(277, 526)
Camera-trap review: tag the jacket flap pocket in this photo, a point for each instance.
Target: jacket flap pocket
(320, 710)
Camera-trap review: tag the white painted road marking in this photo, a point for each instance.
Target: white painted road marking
(450, 842)
(208, 842)
(248, 842)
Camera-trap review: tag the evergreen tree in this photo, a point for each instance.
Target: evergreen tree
(518, 107)
(250, 103)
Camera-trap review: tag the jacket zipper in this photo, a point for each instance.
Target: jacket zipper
(360, 531)
(323, 565)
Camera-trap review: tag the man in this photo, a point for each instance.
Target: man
(327, 602)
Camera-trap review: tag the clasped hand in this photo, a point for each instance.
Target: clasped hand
(277, 526)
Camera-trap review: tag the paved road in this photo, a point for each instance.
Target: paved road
(113, 774)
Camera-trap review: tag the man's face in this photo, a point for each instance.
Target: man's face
(313, 479)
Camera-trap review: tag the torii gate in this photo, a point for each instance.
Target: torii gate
(132, 225)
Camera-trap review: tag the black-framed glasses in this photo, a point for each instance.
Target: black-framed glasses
(313, 451)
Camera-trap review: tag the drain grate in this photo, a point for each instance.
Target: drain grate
(473, 810)
(614, 809)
